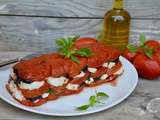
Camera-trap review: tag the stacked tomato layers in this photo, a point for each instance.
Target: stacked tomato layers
(50, 76)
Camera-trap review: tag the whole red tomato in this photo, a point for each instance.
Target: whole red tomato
(146, 67)
(156, 45)
(156, 55)
(152, 43)
(129, 55)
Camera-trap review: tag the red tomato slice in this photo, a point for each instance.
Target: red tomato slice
(99, 82)
(59, 67)
(80, 81)
(33, 70)
(57, 90)
(71, 92)
(102, 54)
(28, 103)
(100, 72)
(31, 104)
(36, 92)
(52, 97)
(40, 102)
(74, 68)
(85, 41)
(114, 69)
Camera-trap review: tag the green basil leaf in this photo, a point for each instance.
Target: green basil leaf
(66, 45)
(149, 51)
(85, 52)
(132, 48)
(101, 94)
(62, 49)
(92, 100)
(66, 53)
(97, 78)
(148, 54)
(100, 102)
(142, 39)
(75, 59)
(69, 42)
(61, 42)
(75, 38)
(50, 91)
(83, 107)
(98, 37)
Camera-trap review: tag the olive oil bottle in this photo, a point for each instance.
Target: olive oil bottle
(116, 26)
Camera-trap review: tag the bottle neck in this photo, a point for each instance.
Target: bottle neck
(118, 4)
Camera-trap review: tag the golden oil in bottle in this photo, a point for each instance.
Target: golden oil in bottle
(116, 26)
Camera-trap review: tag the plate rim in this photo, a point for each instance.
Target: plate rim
(29, 109)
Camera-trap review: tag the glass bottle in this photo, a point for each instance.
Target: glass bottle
(116, 26)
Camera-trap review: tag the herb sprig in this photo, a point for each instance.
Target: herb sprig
(50, 91)
(68, 51)
(148, 51)
(93, 100)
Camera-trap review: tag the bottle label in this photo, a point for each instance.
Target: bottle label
(118, 18)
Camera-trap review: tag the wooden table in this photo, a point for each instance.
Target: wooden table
(27, 26)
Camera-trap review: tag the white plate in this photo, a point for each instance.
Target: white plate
(65, 106)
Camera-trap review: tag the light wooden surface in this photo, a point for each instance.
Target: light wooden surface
(36, 34)
(27, 26)
(77, 8)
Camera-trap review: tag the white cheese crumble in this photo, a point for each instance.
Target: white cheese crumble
(72, 86)
(82, 74)
(92, 70)
(57, 81)
(111, 65)
(105, 64)
(45, 95)
(104, 76)
(89, 81)
(31, 86)
(36, 101)
(119, 72)
(15, 92)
